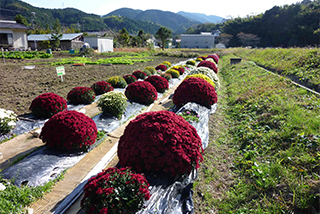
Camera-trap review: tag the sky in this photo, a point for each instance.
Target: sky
(222, 8)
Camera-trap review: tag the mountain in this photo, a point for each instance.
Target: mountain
(42, 17)
(176, 22)
(203, 18)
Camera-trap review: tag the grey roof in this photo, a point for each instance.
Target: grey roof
(43, 37)
(12, 25)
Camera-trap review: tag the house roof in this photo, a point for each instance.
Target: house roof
(44, 37)
(5, 24)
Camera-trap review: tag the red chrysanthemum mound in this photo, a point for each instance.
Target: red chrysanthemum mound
(209, 64)
(215, 57)
(141, 92)
(195, 90)
(160, 83)
(161, 67)
(81, 95)
(69, 131)
(129, 78)
(102, 87)
(139, 74)
(47, 105)
(160, 142)
(115, 191)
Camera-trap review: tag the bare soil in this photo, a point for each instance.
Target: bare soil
(19, 86)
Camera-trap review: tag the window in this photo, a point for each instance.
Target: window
(6, 39)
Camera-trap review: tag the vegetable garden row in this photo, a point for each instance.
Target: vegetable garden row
(156, 144)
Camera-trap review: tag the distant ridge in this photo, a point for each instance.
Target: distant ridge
(203, 18)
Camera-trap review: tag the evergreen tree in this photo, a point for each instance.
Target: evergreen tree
(163, 34)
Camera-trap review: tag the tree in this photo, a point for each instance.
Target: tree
(124, 38)
(163, 34)
(56, 34)
(21, 20)
(248, 39)
(224, 38)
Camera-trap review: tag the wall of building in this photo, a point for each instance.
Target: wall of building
(20, 40)
(197, 41)
(101, 44)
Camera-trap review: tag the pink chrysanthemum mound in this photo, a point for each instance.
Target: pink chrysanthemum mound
(69, 131)
(47, 105)
(215, 57)
(102, 87)
(195, 90)
(160, 142)
(160, 83)
(129, 78)
(115, 191)
(141, 92)
(209, 64)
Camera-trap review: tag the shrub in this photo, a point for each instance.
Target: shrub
(161, 67)
(102, 87)
(147, 72)
(199, 59)
(129, 78)
(7, 120)
(195, 90)
(81, 95)
(209, 64)
(139, 74)
(208, 72)
(69, 131)
(47, 104)
(179, 68)
(117, 82)
(174, 73)
(210, 60)
(114, 103)
(191, 62)
(202, 76)
(115, 191)
(166, 63)
(160, 142)
(215, 57)
(166, 76)
(141, 92)
(151, 69)
(160, 83)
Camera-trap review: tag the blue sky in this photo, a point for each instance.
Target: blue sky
(223, 8)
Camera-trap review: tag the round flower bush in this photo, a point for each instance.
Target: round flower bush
(195, 90)
(179, 68)
(160, 142)
(7, 120)
(139, 74)
(129, 78)
(160, 83)
(215, 57)
(208, 72)
(166, 63)
(202, 76)
(151, 69)
(47, 104)
(115, 191)
(102, 87)
(211, 60)
(174, 73)
(209, 64)
(191, 62)
(117, 82)
(161, 67)
(166, 76)
(81, 95)
(141, 92)
(147, 72)
(69, 131)
(199, 59)
(114, 103)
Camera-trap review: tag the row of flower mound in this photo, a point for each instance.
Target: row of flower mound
(159, 143)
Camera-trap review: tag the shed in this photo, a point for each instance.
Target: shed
(13, 35)
(67, 42)
(202, 40)
(102, 44)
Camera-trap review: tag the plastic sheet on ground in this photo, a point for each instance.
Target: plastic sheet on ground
(42, 166)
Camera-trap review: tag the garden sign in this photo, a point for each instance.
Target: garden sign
(60, 72)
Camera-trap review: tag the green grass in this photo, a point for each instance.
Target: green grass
(303, 63)
(274, 133)
(13, 199)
